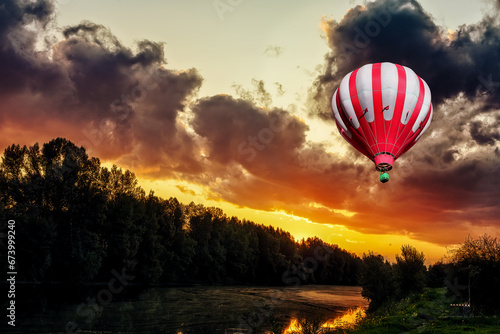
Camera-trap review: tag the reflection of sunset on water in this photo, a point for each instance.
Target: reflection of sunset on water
(345, 320)
(293, 327)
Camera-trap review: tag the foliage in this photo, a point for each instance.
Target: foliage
(410, 271)
(437, 274)
(476, 264)
(377, 279)
(383, 282)
(427, 312)
(332, 264)
(77, 221)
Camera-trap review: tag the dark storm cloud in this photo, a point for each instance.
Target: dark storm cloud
(260, 158)
(448, 156)
(100, 67)
(115, 101)
(19, 67)
(483, 134)
(160, 139)
(14, 13)
(238, 130)
(401, 31)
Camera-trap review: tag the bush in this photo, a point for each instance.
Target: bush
(410, 271)
(377, 280)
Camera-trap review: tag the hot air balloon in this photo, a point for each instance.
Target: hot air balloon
(382, 110)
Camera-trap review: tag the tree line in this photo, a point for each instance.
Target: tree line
(76, 221)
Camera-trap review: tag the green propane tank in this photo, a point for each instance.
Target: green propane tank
(384, 177)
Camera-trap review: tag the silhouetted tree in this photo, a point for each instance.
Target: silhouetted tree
(410, 270)
(377, 278)
(437, 274)
(476, 263)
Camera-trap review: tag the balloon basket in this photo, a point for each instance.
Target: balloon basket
(384, 177)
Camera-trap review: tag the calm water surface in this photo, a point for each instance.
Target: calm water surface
(186, 310)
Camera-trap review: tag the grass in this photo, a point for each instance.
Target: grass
(429, 312)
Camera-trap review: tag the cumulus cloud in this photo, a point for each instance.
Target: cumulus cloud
(263, 157)
(119, 103)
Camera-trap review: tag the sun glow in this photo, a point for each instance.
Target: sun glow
(298, 226)
(346, 213)
(347, 320)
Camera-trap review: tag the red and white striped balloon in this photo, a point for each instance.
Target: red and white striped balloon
(382, 110)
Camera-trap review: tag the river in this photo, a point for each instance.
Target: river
(187, 310)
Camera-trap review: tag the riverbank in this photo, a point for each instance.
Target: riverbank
(429, 312)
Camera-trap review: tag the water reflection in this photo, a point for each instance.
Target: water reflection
(350, 318)
(347, 320)
(194, 310)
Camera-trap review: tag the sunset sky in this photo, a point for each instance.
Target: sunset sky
(227, 103)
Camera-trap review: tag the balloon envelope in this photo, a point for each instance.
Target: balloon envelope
(382, 110)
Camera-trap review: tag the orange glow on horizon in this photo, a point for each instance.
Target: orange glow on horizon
(299, 227)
